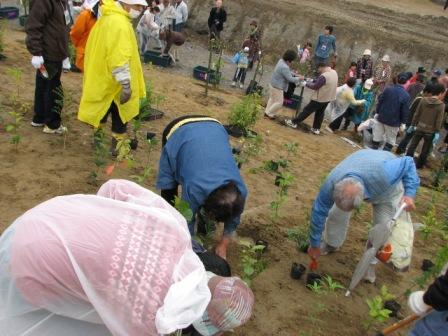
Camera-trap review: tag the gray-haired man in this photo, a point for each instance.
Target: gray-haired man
(377, 177)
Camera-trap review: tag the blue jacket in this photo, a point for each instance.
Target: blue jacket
(198, 156)
(359, 94)
(379, 171)
(393, 106)
(325, 45)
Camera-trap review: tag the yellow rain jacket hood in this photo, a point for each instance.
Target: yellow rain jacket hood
(111, 44)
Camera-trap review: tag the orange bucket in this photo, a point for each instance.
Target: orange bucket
(385, 253)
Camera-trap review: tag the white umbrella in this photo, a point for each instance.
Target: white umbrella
(378, 236)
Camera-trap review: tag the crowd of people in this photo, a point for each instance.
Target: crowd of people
(123, 261)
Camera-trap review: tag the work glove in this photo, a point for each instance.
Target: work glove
(436, 138)
(402, 127)
(126, 91)
(410, 129)
(37, 62)
(66, 66)
(375, 116)
(416, 303)
(363, 101)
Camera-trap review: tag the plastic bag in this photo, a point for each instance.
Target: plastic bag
(402, 241)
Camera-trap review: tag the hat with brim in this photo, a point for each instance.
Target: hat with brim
(386, 58)
(368, 84)
(135, 2)
(230, 307)
(367, 52)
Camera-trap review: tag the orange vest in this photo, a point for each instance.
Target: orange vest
(80, 33)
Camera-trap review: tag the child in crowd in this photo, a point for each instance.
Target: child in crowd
(351, 72)
(148, 29)
(241, 60)
(305, 53)
(427, 121)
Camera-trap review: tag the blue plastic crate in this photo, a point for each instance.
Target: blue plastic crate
(9, 13)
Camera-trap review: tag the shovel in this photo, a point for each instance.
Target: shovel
(398, 325)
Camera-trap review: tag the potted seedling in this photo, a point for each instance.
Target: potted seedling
(313, 280)
(251, 263)
(300, 237)
(141, 179)
(147, 111)
(243, 115)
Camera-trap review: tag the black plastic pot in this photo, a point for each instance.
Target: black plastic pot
(153, 113)
(264, 243)
(297, 270)
(304, 247)
(427, 265)
(134, 144)
(393, 306)
(313, 278)
(150, 135)
(22, 20)
(234, 131)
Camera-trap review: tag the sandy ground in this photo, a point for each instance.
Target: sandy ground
(45, 166)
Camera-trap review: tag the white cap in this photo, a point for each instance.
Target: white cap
(367, 52)
(386, 58)
(134, 2)
(368, 84)
(246, 49)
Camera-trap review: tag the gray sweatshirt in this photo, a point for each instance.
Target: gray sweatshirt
(282, 76)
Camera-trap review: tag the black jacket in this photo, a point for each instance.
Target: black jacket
(437, 294)
(217, 18)
(46, 30)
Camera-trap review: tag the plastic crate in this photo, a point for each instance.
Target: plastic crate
(200, 73)
(156, 58)
(293, 102)
(10, 13)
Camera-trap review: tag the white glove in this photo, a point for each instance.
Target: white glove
(66, 66)
(363, 101)
(302, 83)
(375, 116)
(416, 303)
(402, 127)
(37, 61)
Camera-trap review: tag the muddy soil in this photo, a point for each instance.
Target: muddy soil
(44, 166)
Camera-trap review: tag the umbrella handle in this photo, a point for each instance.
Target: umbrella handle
(399, 211)
(399, 324)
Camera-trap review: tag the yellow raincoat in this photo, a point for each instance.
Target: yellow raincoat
(111, 44)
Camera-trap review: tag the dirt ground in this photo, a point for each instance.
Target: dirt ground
(45, 166)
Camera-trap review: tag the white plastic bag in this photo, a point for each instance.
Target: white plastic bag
(402, 241)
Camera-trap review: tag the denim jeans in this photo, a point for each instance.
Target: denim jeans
(49, 96)
(434, 324)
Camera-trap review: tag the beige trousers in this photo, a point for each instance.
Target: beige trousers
(275, 101)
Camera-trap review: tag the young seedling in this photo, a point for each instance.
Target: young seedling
(300, 237)
(141, 179)
(245, 113)
(250, 261)
(250, 147)
(331, 285)
(377, 313)
(19, 108)
(430, 220)
(284, 181)
(317, 288)
(314, 314)
(100, 154)
(184, 208)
